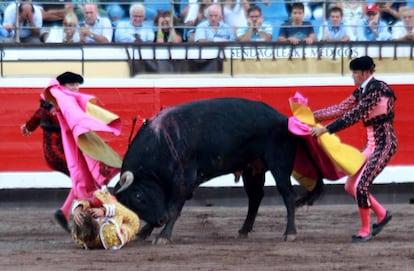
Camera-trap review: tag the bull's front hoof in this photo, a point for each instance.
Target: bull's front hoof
(243, 233)
(290, 237)
(159, 241)
(145, 232)
(143, 235)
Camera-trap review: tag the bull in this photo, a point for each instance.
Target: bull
(186, 145)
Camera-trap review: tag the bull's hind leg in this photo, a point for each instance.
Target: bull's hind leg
(253, 185)
(284, 186)
(280, 160)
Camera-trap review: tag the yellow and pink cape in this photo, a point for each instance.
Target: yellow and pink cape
(325, 156)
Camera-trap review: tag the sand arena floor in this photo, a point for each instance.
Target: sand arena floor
(204, 239)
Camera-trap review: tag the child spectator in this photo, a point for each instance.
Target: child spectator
(297, 30)
(68, 33)
(334, 28)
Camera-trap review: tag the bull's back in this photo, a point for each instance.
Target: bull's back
(231, 130)
(228, 115)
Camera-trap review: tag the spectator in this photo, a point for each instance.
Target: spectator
(234, 13)
(404, 29)
(29, 19)
(134, 29)
(353, 11)
(313, 9)
(167, 32)
(371, 27)
(390, 11)
(256, 29)
(193, 14)
(95, 28)
(53, 15)
(68, 33)
(213, 29)
(297, 30)
(334, 28)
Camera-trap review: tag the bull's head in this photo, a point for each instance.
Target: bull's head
(144, 196)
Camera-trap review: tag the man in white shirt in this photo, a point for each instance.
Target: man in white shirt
(213, 29)
(95, 28)
(134, 30)
(29, 20)
(404, 29)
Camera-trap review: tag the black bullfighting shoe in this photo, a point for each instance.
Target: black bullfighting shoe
(360, 239)
(61, 220)
(377, 228)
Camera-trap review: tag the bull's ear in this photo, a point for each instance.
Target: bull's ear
(126, 180)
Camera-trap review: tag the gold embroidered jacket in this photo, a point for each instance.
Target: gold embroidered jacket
(116, 228)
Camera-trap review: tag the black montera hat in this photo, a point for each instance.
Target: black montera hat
(363, 63)
(69, 77)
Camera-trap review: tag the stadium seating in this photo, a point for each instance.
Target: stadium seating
(275, 15)
(154, 6)
(275, 12)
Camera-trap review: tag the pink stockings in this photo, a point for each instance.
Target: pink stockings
(365, 213)
(67, 205)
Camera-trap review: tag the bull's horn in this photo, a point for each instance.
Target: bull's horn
(126, 180)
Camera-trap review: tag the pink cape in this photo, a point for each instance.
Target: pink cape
(323, 157)
(91, 162)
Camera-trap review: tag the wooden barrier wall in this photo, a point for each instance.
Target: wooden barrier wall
(19, 153)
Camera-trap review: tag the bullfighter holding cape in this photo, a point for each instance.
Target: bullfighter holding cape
(372, 103)
(91, 162)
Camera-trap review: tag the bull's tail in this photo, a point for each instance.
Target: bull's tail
(309, 197)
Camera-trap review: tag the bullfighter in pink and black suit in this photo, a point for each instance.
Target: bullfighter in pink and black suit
(373, 103)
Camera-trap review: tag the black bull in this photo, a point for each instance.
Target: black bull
(186, 145)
